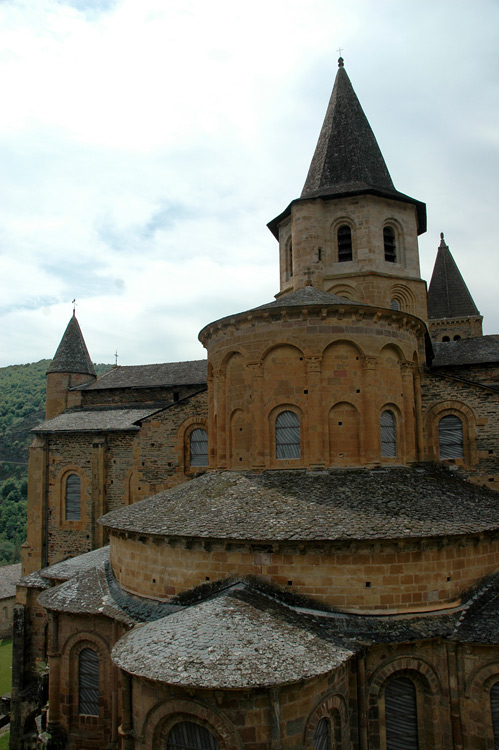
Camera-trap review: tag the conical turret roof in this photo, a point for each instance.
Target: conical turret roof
(72, 353)
(347, 159)
(347, 155)
(448, 295)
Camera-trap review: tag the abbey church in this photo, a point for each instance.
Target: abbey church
(291, 545)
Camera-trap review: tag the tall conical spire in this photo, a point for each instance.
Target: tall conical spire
(448, 295)
(72, 354)
(347, 156)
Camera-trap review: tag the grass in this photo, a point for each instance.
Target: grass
(4, 741)
(5, 667)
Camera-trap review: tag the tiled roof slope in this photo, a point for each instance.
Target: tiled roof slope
(475, 351)
(314, 506)
(72, 353)
(308, 295)
(150, 376)
(95, 420)
(9, 576)
(347, 153)
(448, 295)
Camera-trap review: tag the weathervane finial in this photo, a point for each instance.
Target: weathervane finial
(74, 307)
(340, 59)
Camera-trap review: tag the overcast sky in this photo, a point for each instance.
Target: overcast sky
(145, 144)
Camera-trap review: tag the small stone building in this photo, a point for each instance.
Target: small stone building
(9, 576)
(328, 577)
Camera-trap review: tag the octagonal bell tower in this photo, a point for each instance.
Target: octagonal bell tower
(351, 232)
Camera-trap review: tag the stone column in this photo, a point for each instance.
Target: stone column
(221, 412)
(98, 491)
(409, 421)
(54, 655)
(126, 729)
(257, 418)
(369, 431)
(315, 413)
(418, 414)
(275, 719)
(34, 551)
(212, 443)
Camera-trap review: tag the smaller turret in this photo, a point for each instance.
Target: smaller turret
(70, 367)
(452, 312)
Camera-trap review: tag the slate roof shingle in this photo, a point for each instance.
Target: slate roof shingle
(298, 505)
(475, 351)
(9, 576)
(72, 353)
(152, 376)
(96, 420)
(448, 295)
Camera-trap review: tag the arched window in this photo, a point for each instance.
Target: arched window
(388, 428)
(73, 498)
(394, 305)
(445, 338)
(457, 337)
(189, 736)
(345, 243)
(88, 682)
(401, 715)
(287, 435)
(450, 437)
(322, 735)
(390, 246)
(198, 442)
(494, 706)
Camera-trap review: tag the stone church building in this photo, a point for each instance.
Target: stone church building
(327, 578)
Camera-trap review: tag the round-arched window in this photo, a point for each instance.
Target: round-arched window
(322, 735)
(450, 437)
(388, 429)
(198, 447)
(287, 435)
(186, 735)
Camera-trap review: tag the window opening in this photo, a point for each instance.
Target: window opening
(287, 435)
(394, 305)
(189, 736)
(388, 427)
(88, 682)
(389, 242)
(494, 706)
(199, 447)
(290, 258)
(345, 251)
(457, 338)
(450, 437)
(401, 715)
(73, 498)
(322, 735)
(445, 338)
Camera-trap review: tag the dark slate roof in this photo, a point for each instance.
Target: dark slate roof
(479, 622)
(228, 643)
(153, 376)
(72, 353)
(347, 159)
(66, 569)
(34, 581)
(9, 576)
(475, 351)
(96, 420)
(448, 295)
(314, 506)
(308, 295)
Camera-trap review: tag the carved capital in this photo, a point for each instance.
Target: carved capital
(369, 362)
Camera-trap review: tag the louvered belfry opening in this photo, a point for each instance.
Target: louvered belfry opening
(388, 427)
(186, 735)
(494, 706)
(322, 735)
(390, 246)
(345, 251)
(287, 435)
(88, 682)
(199, 447)
(401, 715)
(450, 437)
(73, 498)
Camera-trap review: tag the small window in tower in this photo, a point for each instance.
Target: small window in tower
(445, 339)
(450, 437)
(88, 682)
(73, 498)
(390, 247)
(388, 427)
(322, 735)
(394, 305)
(186, 735)
(198, 447)
(457, 338)
(345, 243)
(287, 435)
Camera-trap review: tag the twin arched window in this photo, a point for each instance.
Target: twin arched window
(401, 715)
(186, 735)
(88, 682)
(388, 429)
(450, 437)
(287, 435)
(198, 447)
(73, 498)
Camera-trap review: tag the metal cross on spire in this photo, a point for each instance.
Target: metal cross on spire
(116, 358)
(74, 306)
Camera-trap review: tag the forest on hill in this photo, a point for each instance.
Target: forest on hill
(22, 407)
